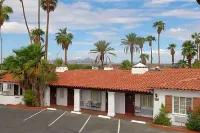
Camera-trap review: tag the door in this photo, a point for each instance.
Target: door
(16, 90)
(130, 103)
(53, 96)
(70, 96)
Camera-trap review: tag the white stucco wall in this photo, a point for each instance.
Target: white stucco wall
(103, 101)
(120, 103)
(7, 91)
(10, 99)
(61, 100)
(137, 100)
(161, 95)
(47, 96)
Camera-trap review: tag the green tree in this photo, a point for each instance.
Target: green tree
(36, 36)
(125, 65)
(58, 62)
(5, 11)
(103, 49)
(150, 39)
(48, 6)
(23, 65)
(64, 39)
(46, 74)
(130, 44)
(160, 25)
(172, 47)
(140, 42)
(196, 37)
(189, 50)
(182, 64)
(144, 58)
(24, 14)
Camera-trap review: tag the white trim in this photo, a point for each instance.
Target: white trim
(102, 116)
(141, 122)
(51, 109)
(74, 112)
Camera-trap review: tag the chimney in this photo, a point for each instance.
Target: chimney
(61, 69)
(139, 69)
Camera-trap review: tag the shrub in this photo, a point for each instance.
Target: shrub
(161, 118)
(78, 66)
(193, 121)
(29, 98)
(126, 65)
(196, 64)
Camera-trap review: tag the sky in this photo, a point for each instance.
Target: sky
(111, 20)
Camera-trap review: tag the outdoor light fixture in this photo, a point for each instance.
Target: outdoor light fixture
(156, 95)
(198, 1)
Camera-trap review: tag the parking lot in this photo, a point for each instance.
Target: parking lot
(13, 120)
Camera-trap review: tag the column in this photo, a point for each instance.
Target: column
(111, 104)
(47, 96)
(77, 100)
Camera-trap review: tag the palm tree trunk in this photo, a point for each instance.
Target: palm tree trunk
(39, 17)
(141, 51)
(26, 20)
(189, 62)
(131, 51)
(151, 56)
(173, 60)
(102, 60)
(158, 49)
(66, 56)
(47, 32)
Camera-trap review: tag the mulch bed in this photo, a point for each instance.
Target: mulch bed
(25, 107)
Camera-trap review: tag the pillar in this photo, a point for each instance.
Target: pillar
(111, 104)
(77, 100)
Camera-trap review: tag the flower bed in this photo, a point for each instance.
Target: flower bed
(25, 107)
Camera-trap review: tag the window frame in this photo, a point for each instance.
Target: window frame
(92, 91)
(147, 96)
(179, 105)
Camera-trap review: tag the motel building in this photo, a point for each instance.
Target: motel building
(138, 92)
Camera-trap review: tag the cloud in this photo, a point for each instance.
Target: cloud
(157, 3)
(176, 30)
(104, 35)
(132, 26)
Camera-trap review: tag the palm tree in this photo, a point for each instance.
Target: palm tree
(130, 43)
(48, 6)
(150, 39)
(58, 62)
(141, 41)
(64, 39)
(26, 20)
(5, 11)
(189, 50)
(126, 65)
(102, 48)
(160, 25)
(39, 14)
(36, 36)
(172, 47)
(144, 58)
(196, 37)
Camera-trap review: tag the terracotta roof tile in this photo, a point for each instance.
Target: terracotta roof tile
(8, 78)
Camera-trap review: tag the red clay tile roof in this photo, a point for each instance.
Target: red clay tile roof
(185, 79)
(8, 78)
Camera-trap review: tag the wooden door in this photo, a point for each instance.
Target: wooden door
(70, 96)
(130, 103)
(16, 89)
(53, 96)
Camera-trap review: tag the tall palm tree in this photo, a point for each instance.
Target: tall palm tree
(160, 25)
(5, 11)
(130, 43)
(189, 50)
(144, 58)
(196, 37)
(103, 49)
(141, 41)
(36, 36)
(150, 39)
(48, 6)
(172, 47)
(64, 39)
(39, 14)
(24, 14)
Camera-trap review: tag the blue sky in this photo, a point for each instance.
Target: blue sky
(110, 20)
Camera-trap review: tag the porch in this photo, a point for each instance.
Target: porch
(111, 103)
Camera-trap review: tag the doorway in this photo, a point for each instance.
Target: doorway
(16, 89)
(71, 97)
(53, 96)
(129, 103)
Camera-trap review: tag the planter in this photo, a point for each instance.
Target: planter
(26, 107)
(172, 128)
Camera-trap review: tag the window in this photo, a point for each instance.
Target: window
(96, 95)
(9, 86)
(61, 93)
(146, 101)
(181, 104)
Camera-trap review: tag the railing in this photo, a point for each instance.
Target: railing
(92, 105)
(143, 111)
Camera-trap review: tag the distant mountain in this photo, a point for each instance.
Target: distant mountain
(81, 61)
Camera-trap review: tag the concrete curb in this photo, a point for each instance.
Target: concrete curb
(172, 128)
(25, 107)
